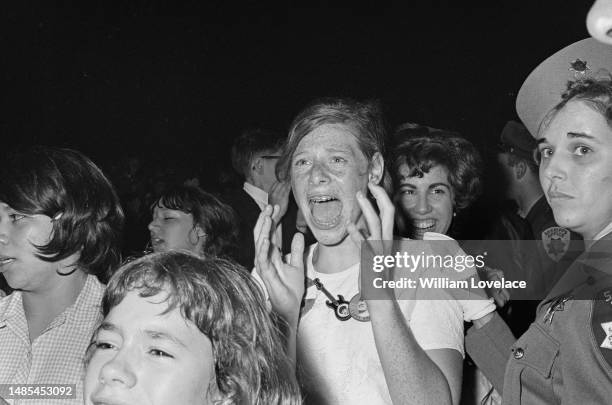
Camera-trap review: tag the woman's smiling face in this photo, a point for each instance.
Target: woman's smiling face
(427, 201)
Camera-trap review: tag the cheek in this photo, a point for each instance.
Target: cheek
(39, 237)
(191, 384)
(594, 182)
(444, 207)
(92, 376)
(407, 204)
(298, 182)
(353, 183)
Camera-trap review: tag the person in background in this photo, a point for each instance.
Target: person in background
(186, 217)
(436, 174)
(60, 232)
(183, 329)
(543, 262)
(435, 177)
(254, 156)
(559, 246)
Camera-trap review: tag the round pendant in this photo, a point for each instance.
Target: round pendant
(359, 309)
(342, 311)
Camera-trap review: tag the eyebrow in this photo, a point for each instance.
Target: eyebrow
(433, 185)
(331, 148)
(160, 335)
(573, 135)
(579, 135)
(153, 334)
(107, 326)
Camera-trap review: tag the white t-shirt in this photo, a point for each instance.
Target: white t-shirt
(477, 305)
(337, 360)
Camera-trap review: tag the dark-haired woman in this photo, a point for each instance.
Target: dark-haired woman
(60, 226)
(188, 218)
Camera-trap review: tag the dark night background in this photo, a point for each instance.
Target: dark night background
(174, 83)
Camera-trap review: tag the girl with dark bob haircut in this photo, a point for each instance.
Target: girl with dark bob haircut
(188, 218)
(60, 227)
(67, 186)
(418, 156)
(237, 354)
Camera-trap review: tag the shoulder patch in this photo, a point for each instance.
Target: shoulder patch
(556, 241)
(601, 323)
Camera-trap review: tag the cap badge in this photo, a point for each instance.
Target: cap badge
(579, 67)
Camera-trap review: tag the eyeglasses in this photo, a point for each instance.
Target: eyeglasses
(504, 147)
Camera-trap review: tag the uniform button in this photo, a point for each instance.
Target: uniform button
(519, 353)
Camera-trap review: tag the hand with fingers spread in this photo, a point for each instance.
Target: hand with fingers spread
(279, 195)
(285, 282)
(379, 226)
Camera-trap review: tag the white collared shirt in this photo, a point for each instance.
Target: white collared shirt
(261, 199)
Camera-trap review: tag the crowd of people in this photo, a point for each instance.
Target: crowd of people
(259, 294)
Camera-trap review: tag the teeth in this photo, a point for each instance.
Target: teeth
(6, 260)
(424, 224)
(321, 199)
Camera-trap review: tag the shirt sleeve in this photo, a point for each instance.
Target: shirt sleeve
(436, 324)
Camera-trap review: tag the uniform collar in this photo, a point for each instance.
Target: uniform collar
(606, 232)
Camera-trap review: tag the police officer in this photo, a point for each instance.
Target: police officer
(557, 247)
(565, 357)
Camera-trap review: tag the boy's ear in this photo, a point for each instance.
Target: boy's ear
(200, 232)
(377, 168)
(520, 169)
(257, 166)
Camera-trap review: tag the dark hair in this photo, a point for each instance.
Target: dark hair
(364, 118)
(594, 92)
(227, 306)
(455, 153)
(216, 218)
(532, 164)
(248, 144)
(68, 187)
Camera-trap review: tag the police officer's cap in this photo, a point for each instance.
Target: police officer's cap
(543, 88)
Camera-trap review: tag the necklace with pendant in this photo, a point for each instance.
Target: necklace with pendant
(344, 310)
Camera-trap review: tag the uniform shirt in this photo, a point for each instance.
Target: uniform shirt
(56, 356)
(565, 357)
(558, 249)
